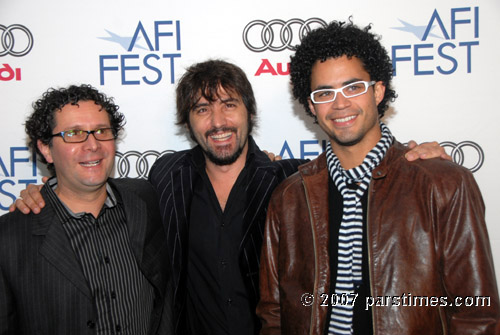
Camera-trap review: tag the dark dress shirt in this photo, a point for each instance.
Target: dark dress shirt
(122, 295)
(215, 288)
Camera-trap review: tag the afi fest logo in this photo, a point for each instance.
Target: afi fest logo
(446, 43)
(18, 169)
(149, 54)
(135, 164)
(276, 36)
(466, 153)
(15, 40)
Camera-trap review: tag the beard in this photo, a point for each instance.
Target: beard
(223, 158)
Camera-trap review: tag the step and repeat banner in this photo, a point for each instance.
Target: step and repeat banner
(445, 56)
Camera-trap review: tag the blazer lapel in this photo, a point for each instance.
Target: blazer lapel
(182, 181)
(261, 184)
(56, 248)
(137, 216)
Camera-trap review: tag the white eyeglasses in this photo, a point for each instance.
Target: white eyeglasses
(349, 91)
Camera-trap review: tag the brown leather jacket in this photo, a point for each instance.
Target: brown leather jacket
(426, 238)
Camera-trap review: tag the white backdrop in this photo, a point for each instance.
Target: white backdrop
(445, 56)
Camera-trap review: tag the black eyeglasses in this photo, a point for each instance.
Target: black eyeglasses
(78, 135)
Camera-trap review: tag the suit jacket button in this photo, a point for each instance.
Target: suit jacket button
(90, 324)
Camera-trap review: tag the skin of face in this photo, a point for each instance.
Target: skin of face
(80, 167)
(220, 127)
(352, 122)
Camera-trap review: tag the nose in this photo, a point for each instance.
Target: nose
(91, 143)
(341, 101)
(218, 117)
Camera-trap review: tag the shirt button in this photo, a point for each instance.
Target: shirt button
(229, 301)
(118, 328)
(113, 295)
(106, 259)
(90, 324)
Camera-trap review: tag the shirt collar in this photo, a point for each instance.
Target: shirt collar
(110, 202)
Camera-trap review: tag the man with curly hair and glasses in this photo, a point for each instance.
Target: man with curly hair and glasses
(94, 261)
(361, 241)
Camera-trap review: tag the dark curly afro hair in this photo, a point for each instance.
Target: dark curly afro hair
(336, 40)
(40, 124)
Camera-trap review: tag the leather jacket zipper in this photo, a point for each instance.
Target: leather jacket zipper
(315, 290)
(368, 244)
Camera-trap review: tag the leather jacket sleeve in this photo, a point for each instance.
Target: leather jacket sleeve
(268, 308)
(466, 261)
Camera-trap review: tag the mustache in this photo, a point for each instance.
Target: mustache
(220, 129)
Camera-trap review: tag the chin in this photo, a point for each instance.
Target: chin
(346, 142)
(224, 160)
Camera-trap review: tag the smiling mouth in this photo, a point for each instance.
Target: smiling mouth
(345, 119)
(221, 137)
(90, 163)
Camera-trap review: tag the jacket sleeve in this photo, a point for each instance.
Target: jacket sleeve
(268, 308)
(8, 323)
(467, 263)
(8, 316)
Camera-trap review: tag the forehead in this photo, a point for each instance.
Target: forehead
(337, 71)
(83, 113)
(221, 93)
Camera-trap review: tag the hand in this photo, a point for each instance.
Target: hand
(30, 199)
(425, 150)
(272, 156)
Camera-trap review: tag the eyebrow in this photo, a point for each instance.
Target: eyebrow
(347, 82)
(204, 104)
(200, 105)
(80, 127)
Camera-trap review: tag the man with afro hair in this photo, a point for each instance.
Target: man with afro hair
(360, 240)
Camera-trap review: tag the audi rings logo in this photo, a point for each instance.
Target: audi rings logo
(16, 40)
(278, 35)
(466, 153)
(141, 162)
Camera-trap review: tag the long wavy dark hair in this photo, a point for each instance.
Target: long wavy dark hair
(204, 80)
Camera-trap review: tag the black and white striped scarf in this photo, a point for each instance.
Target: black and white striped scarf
(349, 274)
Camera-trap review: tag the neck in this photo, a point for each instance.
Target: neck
(353, 155)
(88, 202)
(223, 177)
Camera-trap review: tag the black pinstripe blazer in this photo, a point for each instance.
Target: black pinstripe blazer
(173, 176)
(42, 287)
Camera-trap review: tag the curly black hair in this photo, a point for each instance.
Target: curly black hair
(335, 40)
(41, 123)
(204, 80)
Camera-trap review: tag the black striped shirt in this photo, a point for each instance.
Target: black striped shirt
(122, 294)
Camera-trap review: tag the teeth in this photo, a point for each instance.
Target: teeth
(91, 163)
(345, 119)
(220, 137)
